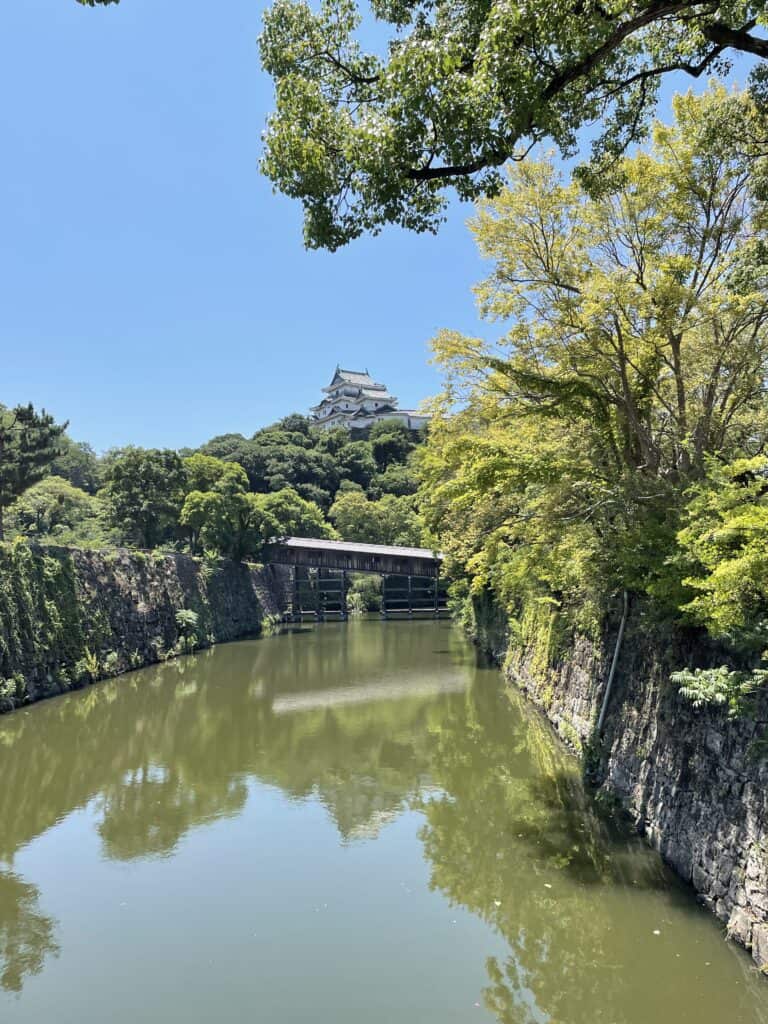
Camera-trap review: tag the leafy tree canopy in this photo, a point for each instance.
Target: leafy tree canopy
(78, 463)
(391, 442)
(366, 139)
(231, 521)
(637, 352)
(391, 520)
(53, 507)
(396, 479)
(292, 469)
(355, 461)
(143, 493)
(204, 473)
(724, 544)
(295, 453)
(294, 516)
(224, 446)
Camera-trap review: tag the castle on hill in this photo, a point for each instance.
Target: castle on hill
(355, 400)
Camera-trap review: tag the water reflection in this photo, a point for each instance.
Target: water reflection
(152, 807)
(26, 934)
(583, 907)
(371, 720)
(165, 749)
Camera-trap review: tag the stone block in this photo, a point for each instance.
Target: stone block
(680, 856)
(760, 944)
(725, 867)
(740, 926)
(701, 879)
(718, 888)
(713, 741)
(754, 865)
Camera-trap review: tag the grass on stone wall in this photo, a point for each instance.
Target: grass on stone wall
(40, 625)
(49, 645)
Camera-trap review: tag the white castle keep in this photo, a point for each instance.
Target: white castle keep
(354, 400)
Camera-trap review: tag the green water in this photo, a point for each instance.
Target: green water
(348, 824)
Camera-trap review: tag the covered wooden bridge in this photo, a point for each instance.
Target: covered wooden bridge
(353, 557)
(411, 576)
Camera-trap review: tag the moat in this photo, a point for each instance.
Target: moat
(341, 824)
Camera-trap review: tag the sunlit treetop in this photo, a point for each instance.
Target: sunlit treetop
(365, 140)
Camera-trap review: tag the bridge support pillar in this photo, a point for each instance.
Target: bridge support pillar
(384, 579)
(295, 599)
(320, 599)
(343, 596)
(437, 595)
(410, 597)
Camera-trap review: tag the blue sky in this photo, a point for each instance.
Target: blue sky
(152, 289)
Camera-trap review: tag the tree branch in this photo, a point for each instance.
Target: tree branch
(721, 35)
(736, 38)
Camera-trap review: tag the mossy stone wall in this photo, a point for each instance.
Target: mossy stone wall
(70, 616)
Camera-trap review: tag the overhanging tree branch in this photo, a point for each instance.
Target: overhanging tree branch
(736, 38)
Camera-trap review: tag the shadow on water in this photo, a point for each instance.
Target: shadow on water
(371, 719)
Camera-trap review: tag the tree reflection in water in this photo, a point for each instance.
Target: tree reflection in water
(516, 839)
(160, 752)
(391, 718)
(26, 935)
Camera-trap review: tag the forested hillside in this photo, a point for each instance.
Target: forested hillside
(226, 498)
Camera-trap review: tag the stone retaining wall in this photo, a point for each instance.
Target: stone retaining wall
(694, 781)
(70, 616)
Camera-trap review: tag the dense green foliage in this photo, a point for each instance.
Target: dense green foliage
(587, 452)
(721, 687)
(364, 594)
(232, 521)
(365, 138)
(317, 463)
(39, 618)
(390, 520)
(53, 508)
(28, 444)
(78, 463)
(229, 497)
(725, 545)
(143, 494)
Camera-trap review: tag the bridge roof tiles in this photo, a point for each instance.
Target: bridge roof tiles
(361, 549)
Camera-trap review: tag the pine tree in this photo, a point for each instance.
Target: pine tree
(28, 445)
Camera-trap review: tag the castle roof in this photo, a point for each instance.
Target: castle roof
(358, 378)
(365, 413)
